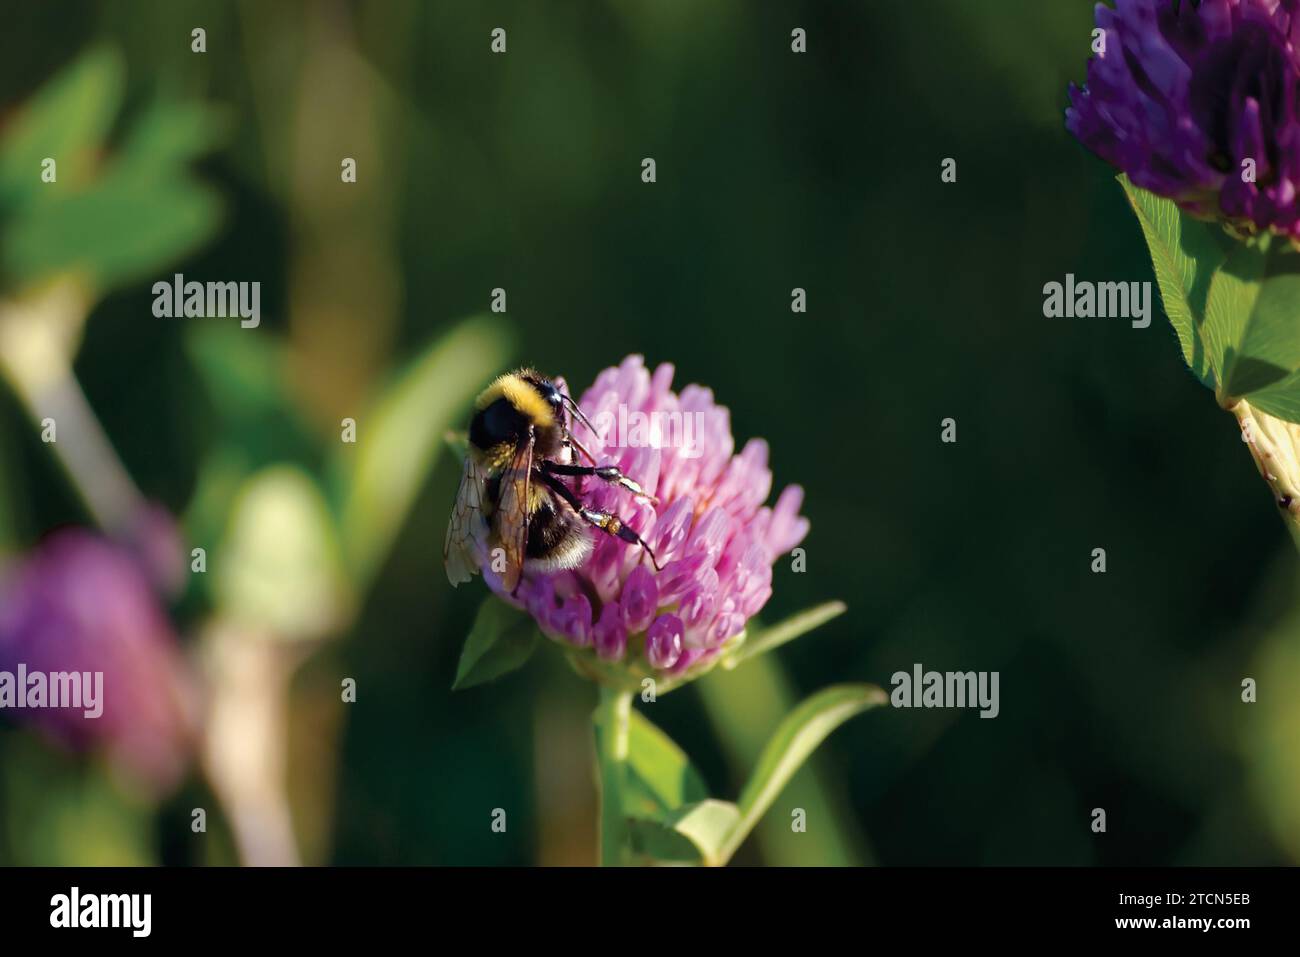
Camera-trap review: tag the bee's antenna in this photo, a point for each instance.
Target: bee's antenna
(567, 400)
(585, 421)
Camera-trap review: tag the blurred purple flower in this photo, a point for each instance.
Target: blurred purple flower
(81, 603)
(714, 538)
(1183, 93)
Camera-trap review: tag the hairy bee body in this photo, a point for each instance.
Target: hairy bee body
(513, 510)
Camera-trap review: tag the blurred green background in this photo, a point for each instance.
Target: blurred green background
(775, 170)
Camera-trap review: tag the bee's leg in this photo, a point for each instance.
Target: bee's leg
(573, 440)
(606, 473)
(607, 522)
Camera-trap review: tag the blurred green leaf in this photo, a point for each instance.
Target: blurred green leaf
(400, 438)
(169, 135)
(67, 120)
(660, 776)
(112, 216)
(1185, 253)
(244, 374)
(766, 639)
(502, 639)
(278, 567)
(798, 735)
(695, 834)
(245, 378)
(120, 231)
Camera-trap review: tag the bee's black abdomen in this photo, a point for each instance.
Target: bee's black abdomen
(557, 537)
(499, 422)
(546, 528)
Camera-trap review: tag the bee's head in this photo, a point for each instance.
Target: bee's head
(550, 393)
(547, 390)
(560, 404)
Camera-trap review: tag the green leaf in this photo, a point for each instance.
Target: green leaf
(1253, 323)
(112, 216)
(798, 735)
(67, 121)
(245, 372)
(1281, 399)
(657, 842)
(661, 778)
(695, 834)
(256, 420)
(169, 135)
(1234, 288)
(244, 376)
(766, 639)
(501, 640)
(744, 705)
(1185, 252)
(1235, 304)
(122, 230)
(400, 438)
(663, 767)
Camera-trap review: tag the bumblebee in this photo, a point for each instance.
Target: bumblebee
(513, 505)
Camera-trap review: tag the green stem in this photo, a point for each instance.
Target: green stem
(612, 715)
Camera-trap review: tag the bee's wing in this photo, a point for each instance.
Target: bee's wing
(467, 529)
(513, 513)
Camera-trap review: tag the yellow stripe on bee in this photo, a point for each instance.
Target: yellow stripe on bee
(496, 458)
(499, 458)
(519, 394)
(537, 496)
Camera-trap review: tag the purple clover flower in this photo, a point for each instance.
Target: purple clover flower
(715, 539)
(1184, 93)
(81, 603)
